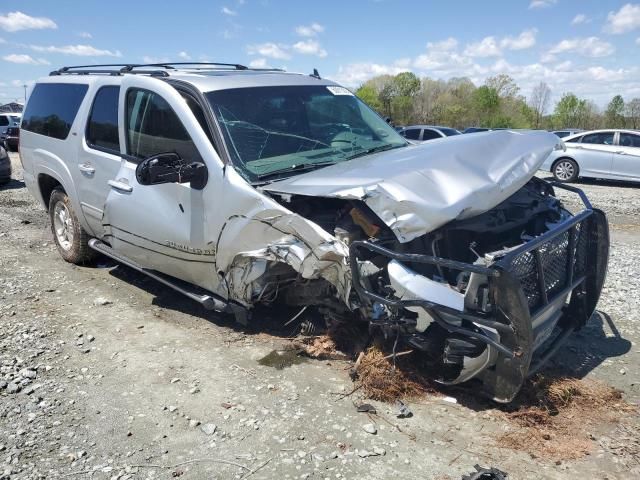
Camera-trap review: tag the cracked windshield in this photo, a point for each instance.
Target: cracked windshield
(273, 132)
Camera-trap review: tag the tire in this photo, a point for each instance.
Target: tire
(71, 239)
(565, 170)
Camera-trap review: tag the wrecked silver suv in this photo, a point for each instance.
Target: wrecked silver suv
(240, 187)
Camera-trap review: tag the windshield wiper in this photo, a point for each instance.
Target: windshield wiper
(369, 151)
(295, 168)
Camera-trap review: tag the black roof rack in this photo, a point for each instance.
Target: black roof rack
(110, 68)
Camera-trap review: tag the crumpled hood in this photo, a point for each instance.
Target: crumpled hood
(417, 189)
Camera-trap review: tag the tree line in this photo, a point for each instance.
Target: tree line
(459, 103)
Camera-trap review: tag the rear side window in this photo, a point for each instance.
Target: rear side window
(52, 108)
(102, 127)
(428, 134)
(411, 133)
(629, 140)
(4, 121)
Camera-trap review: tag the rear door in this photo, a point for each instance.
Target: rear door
(626, 159)
(595, 153)
(99, 156)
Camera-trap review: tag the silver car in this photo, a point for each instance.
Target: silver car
(608, 154)
(424, 133)
(240, 187)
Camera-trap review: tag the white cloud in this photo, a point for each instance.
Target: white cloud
(356, 73)
(492, 47)
(309, 47)
(259, 63)
(25, 59)
(624, 20)
(526, 39)
(16, 21)
(228, 11)
(638, 41)
(487, 47)
(580, 19)
(588, 47)
(184, 56)
(542, 3)
(309, 30)
(85, 35)
(270, 50)
(151, 59)
(444, 45)
(78, 50)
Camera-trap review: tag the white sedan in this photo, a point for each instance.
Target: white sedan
(611, 154)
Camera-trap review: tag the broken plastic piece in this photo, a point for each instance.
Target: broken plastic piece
(486, 474)
(403, 410)
(367, 408)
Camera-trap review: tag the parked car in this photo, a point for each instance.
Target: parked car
(11, 139)
(567, 132)
(609, 154)
(240, 187)
(5, 167)
(7, 120)
(423, 133)
(475, 130)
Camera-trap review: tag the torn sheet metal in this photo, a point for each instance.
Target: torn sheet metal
(416, 189)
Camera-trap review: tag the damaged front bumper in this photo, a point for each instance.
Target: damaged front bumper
(526, 300)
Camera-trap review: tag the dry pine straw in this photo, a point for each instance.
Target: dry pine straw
(556, 416)
(379, 380)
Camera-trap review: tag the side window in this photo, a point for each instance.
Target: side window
(629, 140)
(52, 108)
(428, 134)
(197, 111)
(4, 121)
(411, 133)
(574, 140)
(600, 138)
(102, 127)
(153, 127)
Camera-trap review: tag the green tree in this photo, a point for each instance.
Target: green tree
(614, 114)
(369, 95)
(633, 113)
(486, 102)
(504, 85)
(568, 111)
(407, 84)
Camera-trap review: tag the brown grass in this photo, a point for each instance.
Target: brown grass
(556, 416)
(379, 380)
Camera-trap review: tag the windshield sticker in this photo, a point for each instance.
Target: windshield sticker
(339, 90)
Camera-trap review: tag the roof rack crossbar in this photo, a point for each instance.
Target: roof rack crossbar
(122, 68)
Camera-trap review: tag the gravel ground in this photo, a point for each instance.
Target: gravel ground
(106, 375)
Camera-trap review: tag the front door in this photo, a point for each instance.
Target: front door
(161, 227)
(595, 153)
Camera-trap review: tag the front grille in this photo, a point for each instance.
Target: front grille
(545, 271)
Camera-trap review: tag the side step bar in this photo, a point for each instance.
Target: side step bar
(210, 302)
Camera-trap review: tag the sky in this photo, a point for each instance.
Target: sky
(589, 47)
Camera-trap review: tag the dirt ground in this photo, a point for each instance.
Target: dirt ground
(105, 374)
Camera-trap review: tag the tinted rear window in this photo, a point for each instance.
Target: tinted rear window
(52, 108)
(102, 128)
(449, 132)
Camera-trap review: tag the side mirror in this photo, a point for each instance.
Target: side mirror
(170, 168)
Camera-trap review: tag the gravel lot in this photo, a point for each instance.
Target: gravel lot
(106, 375)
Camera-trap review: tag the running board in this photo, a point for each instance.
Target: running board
(209, 302)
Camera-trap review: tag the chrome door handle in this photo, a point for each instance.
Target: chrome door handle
(86, 168)
(121, 186)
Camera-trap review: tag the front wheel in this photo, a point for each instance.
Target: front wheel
(565, 170)
(71, 239)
